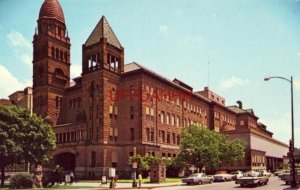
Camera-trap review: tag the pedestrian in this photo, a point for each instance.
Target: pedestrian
(116, 180)
(72, 177)
(140, 177)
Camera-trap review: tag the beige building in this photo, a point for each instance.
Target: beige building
(22, 98)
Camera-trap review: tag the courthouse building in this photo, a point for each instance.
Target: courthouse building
(113, 107)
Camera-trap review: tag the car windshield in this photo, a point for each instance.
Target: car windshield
(250, 175)
(194, 175)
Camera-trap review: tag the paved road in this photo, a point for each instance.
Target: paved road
(274, 184)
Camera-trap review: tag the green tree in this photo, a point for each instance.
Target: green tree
(24, 137)
(202, 147)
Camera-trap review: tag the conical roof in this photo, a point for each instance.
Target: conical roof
(103, 30)
(52, 9)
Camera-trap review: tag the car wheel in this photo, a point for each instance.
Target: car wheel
(242, 185)
(188, 183)
(210, 181)
(200, 182)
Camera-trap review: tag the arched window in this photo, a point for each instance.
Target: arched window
(66, 57)
(93, 159)
(61, 55)
(53, 52)
(162, 117)
(57, 53)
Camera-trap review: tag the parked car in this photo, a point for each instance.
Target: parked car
(266, 173)
(283, 172)
(277, 172)
(223, 177)
(197, 178)
(252, 178)
(286, 177)
(237, 174)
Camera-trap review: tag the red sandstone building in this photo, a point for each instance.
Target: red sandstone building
(113, 107)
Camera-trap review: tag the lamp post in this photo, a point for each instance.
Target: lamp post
(134, 166)
(292, 159)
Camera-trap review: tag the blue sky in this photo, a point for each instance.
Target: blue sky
(243, 41)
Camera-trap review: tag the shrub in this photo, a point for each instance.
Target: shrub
(21, 181)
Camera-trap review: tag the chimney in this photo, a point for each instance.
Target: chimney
(240, 104)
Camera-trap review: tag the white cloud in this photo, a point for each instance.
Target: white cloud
(164, 29)
(9, 83)
(190, 40)
(25, 58)
(16, 39)
(232, 82)
(21, 47)
(75, 70)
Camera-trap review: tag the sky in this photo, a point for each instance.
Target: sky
(229, 46)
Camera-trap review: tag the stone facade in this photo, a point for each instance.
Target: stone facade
(113, 107)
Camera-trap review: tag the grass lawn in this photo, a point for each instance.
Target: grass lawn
(56, 187)
(145, 180)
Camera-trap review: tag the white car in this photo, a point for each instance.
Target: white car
(266, 173)
(237, 174)
(197, 178)
(223, 177)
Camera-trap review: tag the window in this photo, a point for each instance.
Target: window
(132, 134)
(152, 136)
(162, 117)
(178, 139)
(168, 138)
(131, 88)
(93, 159)
(173, 120)
(168, 118)
(163, 137)
(151, 111)
(173, 138)
(53, 52)
(242, 122)
(131, 112)
(111, 111)
(57, 102)
(177, 121)
(147, 134)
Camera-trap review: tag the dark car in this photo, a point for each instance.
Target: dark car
(252, 178)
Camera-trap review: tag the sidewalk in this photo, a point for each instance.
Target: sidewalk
(125, 185)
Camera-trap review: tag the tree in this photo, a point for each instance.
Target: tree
(145, 162)
(202, 147)
(24, 137)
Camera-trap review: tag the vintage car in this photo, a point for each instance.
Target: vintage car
(283, 172)
(286, 177)
(223, 177)
(237, 174)
(197, 178)
(252, 178)
(265, 172)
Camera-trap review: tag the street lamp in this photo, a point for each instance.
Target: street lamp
(292, 159)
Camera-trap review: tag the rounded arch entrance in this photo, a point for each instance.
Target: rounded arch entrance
(66, 160)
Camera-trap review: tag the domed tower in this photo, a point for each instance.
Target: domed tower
(51, 60)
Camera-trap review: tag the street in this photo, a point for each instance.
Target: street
(274, 184)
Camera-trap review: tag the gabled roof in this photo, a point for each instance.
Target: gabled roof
(238, 110)
(103, 30)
